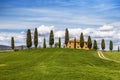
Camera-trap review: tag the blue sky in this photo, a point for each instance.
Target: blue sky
(20, 14)
(98, 18)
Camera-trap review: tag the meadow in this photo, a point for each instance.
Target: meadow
(113, 55)
(57, 64)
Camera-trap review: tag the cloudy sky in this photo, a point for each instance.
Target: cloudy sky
(98, 18)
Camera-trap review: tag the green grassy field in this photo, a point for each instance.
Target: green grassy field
(113, 55)
(56, 64)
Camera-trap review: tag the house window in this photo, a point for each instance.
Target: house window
(69, 46)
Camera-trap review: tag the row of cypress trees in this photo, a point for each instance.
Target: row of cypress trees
(89, 42)
(95, 47)
(28, 39)
(51, 40)
(110, 45)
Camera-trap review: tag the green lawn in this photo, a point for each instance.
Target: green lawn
(113, 55)
(56, 64)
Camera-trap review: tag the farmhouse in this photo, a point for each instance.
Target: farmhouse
(71, 44)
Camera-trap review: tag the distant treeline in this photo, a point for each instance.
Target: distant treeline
(90, 45)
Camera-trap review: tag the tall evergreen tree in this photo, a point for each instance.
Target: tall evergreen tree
(81, 40)
(89, 42)
(12, 43)
(51, 38)
(35, 38)
(95, 47)
(103, 44)
(28, 39)
(66, 36)
(59, 42)
(44, 43)
(75, 43)
(118, 49)
(111, 45)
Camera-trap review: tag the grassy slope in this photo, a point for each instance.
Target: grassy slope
(113, 55)
(57, 64)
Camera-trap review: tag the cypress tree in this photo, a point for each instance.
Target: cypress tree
(103, 44)
(89, 42)
(75, 43)
(81, 40)
(51, 38)
(118, 49)
(44, 43)
(35, 38)
(111, 45)
(12, 43)
(29, 40)
(95, 47)
(66, 36)
(22, 47)
(59, 42)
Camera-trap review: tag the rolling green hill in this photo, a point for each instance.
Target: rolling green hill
(56, 64)
(113, 55)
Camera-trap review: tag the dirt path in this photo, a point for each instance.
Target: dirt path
(100, 54)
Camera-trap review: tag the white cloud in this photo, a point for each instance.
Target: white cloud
(107, 32)
(74, 32)
(117, 24)
(43, 30)
(104, 7)
(5, 38)
(45, 16)
(59, 34)
(16, 24)
(106, 28)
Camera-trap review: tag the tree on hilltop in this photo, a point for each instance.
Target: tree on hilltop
(89, 42)
(111, 45)
(35, 38)
(59, 42)
(12, 43)
(103, 44)
(66, 36)
(95, 47)
(28, 39)
(75, 43)
(44, 43)
(81, 40)
(51, 38)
